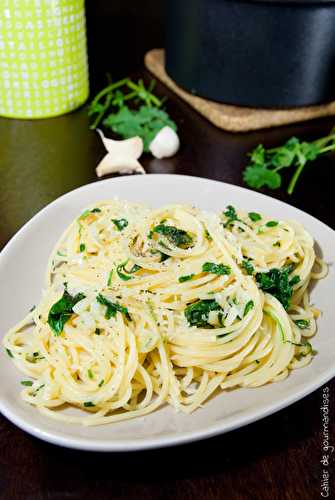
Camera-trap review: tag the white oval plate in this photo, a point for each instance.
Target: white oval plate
(22, 266)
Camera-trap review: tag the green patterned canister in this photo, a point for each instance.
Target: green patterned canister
(43, 59)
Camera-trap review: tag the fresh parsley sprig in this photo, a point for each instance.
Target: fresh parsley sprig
(129, 109)
(266, 164)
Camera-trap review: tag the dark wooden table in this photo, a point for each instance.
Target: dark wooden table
(275, 458)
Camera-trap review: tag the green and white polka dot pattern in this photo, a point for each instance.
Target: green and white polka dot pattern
(43, 59)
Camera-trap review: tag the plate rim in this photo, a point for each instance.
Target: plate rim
(222, 427)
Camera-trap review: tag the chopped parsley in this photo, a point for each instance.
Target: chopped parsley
(101, 383)
(247, 266)
(90, 374)
(303, 324)
(249, 305)
(231, 215)
(177, 237)
(88, 404)
(121, 270)
(208, 236)
(254, 216)
(110, 276)
(27, 383)
(62, 311)
(219, 269)
(308, 349)
(82, 247)
(277, 283)
(120, 223)
(198, 312)
(97, 331)
(112, 307)
(187, 277)
(9, 352)
(272, 223)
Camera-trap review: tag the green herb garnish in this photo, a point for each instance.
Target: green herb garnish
(112, 307)
(272, 223)
(208, 236)
(277, 283)
(101, 383)
(197, 313)
(266, 164)
(120, 223)
(254, 216)
(82, 247)
(145, 122)
(219, 269)
(231, 215)
(9, 352)
(121, 270)
(249, 305)
(90, 374)
(303, 324)
(61, 311)
(97, 331)
(247, 266)
(187, 277)
(27, 383)
(110, 276)
(88, 404)
(175, 236)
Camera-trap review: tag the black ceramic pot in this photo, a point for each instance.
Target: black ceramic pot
(260, 53)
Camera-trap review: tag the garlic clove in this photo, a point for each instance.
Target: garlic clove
(111, 164)
(130, 147)
(122, 156)
(165, 144)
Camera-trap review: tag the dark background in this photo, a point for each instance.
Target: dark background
(275, 458)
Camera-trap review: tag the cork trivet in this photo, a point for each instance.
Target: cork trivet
(235, 118)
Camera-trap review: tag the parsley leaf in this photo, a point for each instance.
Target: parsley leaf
(265, 164)
(247, 266)
(257, 176)
(249, 305)
(177, 237)
(62, 311)
(120, 223)
(231, 215)
(145, 123)
(121, 270)
(197, 313)
(88, 404)
(303, 324)
(27, 383)
(112, 307)
(277, 283)
(187, 277)
(272, 223)
(254, 216)
(219, 269)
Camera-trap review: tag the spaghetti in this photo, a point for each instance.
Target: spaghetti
(143, 307)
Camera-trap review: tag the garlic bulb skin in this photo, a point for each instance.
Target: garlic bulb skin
(165, 144)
